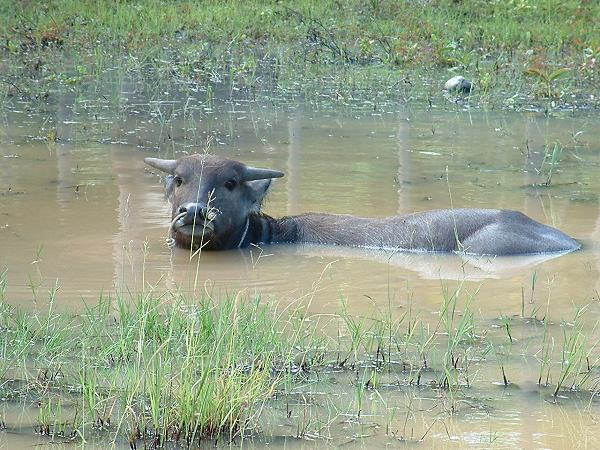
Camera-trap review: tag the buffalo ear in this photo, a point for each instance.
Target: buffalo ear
(164, 165)
(259, 191)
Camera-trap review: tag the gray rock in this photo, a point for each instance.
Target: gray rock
(459, 84)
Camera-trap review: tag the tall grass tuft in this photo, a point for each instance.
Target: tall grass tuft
(156, 368)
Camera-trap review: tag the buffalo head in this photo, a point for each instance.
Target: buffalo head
(212, 198)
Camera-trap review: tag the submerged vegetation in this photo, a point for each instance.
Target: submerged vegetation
(162, 370)
(540, 53)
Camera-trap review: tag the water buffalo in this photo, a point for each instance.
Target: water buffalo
(217, 205)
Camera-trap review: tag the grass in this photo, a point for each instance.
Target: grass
(156, 369)
(551, 161)
(365, 32)
(353, 50)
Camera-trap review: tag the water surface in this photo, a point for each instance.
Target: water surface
(85, 214)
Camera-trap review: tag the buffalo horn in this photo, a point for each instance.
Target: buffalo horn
(255, 173)
(166, 165)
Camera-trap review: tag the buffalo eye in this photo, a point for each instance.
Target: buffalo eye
(178, 180)
(230, 184)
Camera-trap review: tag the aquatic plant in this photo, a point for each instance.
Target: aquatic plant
(547, 78)
(157, 368)
(552, 158)
(166, 368)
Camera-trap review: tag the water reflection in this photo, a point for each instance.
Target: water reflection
(294, 161)
(436, 266)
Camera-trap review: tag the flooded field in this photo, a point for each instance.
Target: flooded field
(80, 210)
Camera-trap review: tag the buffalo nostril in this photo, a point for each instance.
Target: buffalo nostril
(192, 211)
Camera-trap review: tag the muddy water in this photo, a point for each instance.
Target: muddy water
(92, 217)
(86, 215)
